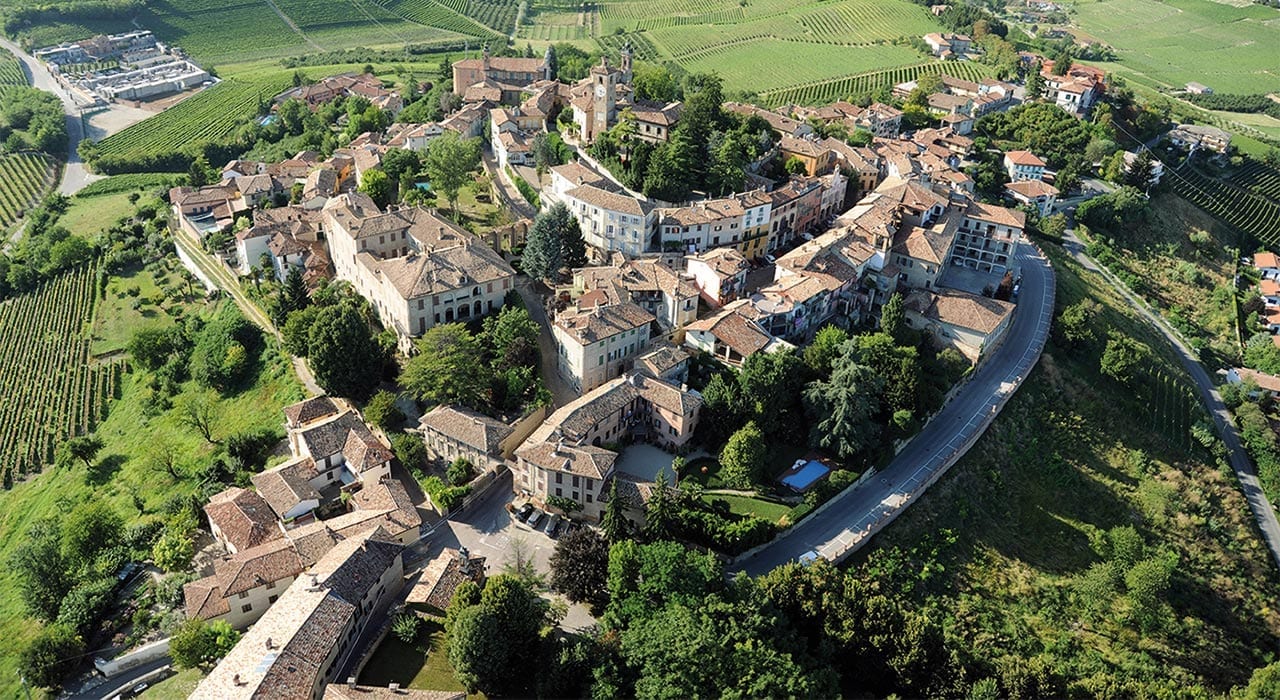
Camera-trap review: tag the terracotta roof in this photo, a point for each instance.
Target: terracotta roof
(310, 410)
(1265, 259)
(1025, 158)
(801, 146)
(1269, 287)
(510, 64)
(1032, 188)
(962, 309)
(1268, 382)
(243, 517)
(663, 358)
(203, 599)
(580, 174)
(999, 215)
(725, 262)
(442, 576)
(666, 114)
(703, 212)
(286, 486)
(475, 430)
(733, 330)
(611, 201)
(586, 460)
(389, 497)
(923, 244)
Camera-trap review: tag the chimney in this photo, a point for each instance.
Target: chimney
(351, 681)
(559, 446)
(270, 644)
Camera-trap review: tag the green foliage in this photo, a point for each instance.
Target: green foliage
(448, 367)
(379, 186)
(173, 551)
(660, 511)
(771, 384)
(825, 348)
(296, 332)
(1044, 129)
(459, 472)
(1123, 357)
(225, 348)
(383, 412)
(410, 450)
(723, 408)
(49, 658)
(842, 410)
(86, 603)
(893, 317)
(1075, 325)
(744, 459)
(443, 496)
(449, 162)
(613, 523)
(41, 570)
(342, 352)
(32, 120)
(554, 242)
(89, 528)
(1264, 684)
(1115, 212)
(200, 644)
(406, 626)
(493, 644)
(84, 448)
(580, 567)
(152, 347)
(643, 578)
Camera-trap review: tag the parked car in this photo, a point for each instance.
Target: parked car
(771, 260)
(553, 524)
(536, 518)
(524, 512)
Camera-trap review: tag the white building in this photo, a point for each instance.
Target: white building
(613, 220)
(1023, 165)
(1034, 193)
(596, 344)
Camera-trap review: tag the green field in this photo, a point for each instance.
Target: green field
(1254, 215)
(11, 73)
(1168, 44)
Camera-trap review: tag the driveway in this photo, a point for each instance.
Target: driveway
(847, 522)
(1263, 511)
(561, 392)
(643, 462)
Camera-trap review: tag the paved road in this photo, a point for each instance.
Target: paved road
(510, 194)
(848, 521)
(75, 175)
(561, 392)
(1263, 512)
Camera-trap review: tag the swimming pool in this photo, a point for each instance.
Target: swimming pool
(805, 476)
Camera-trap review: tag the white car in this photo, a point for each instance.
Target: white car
(770, 259)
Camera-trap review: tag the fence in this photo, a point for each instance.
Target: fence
(143, 655)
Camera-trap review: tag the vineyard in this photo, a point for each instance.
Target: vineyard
(436, 14)
(339, 24)
(1255, 216)
(1259, 179)
(11, 73)
(52, 387)
(211, 115)
(864, 83)
(24, 177)
(1172, 408)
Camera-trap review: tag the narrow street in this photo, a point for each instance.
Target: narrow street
(561, 392)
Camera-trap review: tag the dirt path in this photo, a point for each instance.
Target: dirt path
(289, 21)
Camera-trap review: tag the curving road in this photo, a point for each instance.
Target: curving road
(74, 174)
(849, 520)
(1263, 512)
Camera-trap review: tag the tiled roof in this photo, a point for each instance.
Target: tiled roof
(1025, 158)
(1032, 188)
(924, 244)
(1269, 287)
(203, 599)
(725, 262)
(962, 309)
(475, 430)
(579, 174)
(611, 201)
(286, 486)
(600, 322)
(441, 269)
(346, 434)
(1265, 259)
(310, 410)
(801, 146)
(243, 517)
(733, 330)
(442, 576)
(703, 212)
(508, 64)
(1268, 382)
(666, 114)
(663, 358)
(999, 215)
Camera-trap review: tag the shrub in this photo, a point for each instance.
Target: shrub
(459, 472)
(383, 412)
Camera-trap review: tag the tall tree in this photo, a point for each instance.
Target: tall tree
(827, 345)
(90, 528)
(580, 567)
(40, 569)
(293, 294)
(512, 336)
(494, 643)
(84, 448)
(342, 352)
(555, 242)
(449, 163)
(448, 368)
(743, 460)
(1138, 174)
(1035, 82)
(897, 365)
(771, 386)
(614, 523)
(660, 511)
(893, 317)
(51, 656)
(842, 411)
(379, 186)
(1123, 358)
(723, 408)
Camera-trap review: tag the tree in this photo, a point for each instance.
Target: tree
(893, 317)
(173, 551)
(1146, 584)
(90, 528)
(448, 367)
(660, 511)
(410, 450)
(383, 412)
(342, 352)
(449, 162)
(1075, 323)
(200, 644)
(198, 175)
(152, 347)
(723, 409)
(771, 385)
(83, 448)
(493, 644)
(296, 331)
(824, 349)
(40, 569)
(643, 578)
(380, 187)
(655, 82)
(613, 523)
(580, 567)
(1265, 682)
(294, 295)
(512, 336)
(460, 472)
(842, 410)
(795, 166)
(1123, 357)
(1138, 174)
(1035, 82)
(199, 410)
(744, 458)
(555, 241)
(406, 626)
(52, 655)
(897, 365)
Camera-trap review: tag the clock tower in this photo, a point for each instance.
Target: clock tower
(604, 86)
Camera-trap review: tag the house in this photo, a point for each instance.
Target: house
(1268, 264)
(291, 237)
(1194, 136)
(971, 323)
(511, 134)
(667, 362)
(565, 457)
(793, 210)
(416, 268)
(595, 344)
(442, 576)
(571, 176)
(947, 45)
(467, 122)
(338, 443)
(782, 125)
(412, 137)
(1199, 89)
(454, 432)
(732, 334)
(203, 210)
(510, 75)
(720, 274)
(240, 519)
(655, 120)
(1023, 165)
(612, 220)
(1078, 90)
(1270, 290)
(308, 637)
(809, 152)
(647, 282)
(1034, 193)
(1266, 383)
(881, 120)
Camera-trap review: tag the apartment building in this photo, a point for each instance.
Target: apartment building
(595, 344)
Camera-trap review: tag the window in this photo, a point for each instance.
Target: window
(243, 595)
(272, 600)
(575, 482)
(588, 498)
(559, 478)
(558, 493)
(420, 307)
(575, 496)
(246, 608)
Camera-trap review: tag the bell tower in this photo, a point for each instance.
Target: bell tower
(604, 85)
(625, 66)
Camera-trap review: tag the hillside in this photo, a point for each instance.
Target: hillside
(1009, 547)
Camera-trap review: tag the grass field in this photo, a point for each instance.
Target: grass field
(423, 665)
(176, 687)
(1056, 469)
(745, 505)
(1170, 43)
(88, 215)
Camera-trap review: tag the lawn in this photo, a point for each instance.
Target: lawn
(86, 216)
(146, 288)
(176, 687)
(1003, 542)
(423, 665)
(1171, 43)
(476, 208)
(745, 505)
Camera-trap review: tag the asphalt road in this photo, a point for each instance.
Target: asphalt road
(1263, 512)
(75, 175)
(848, 521)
